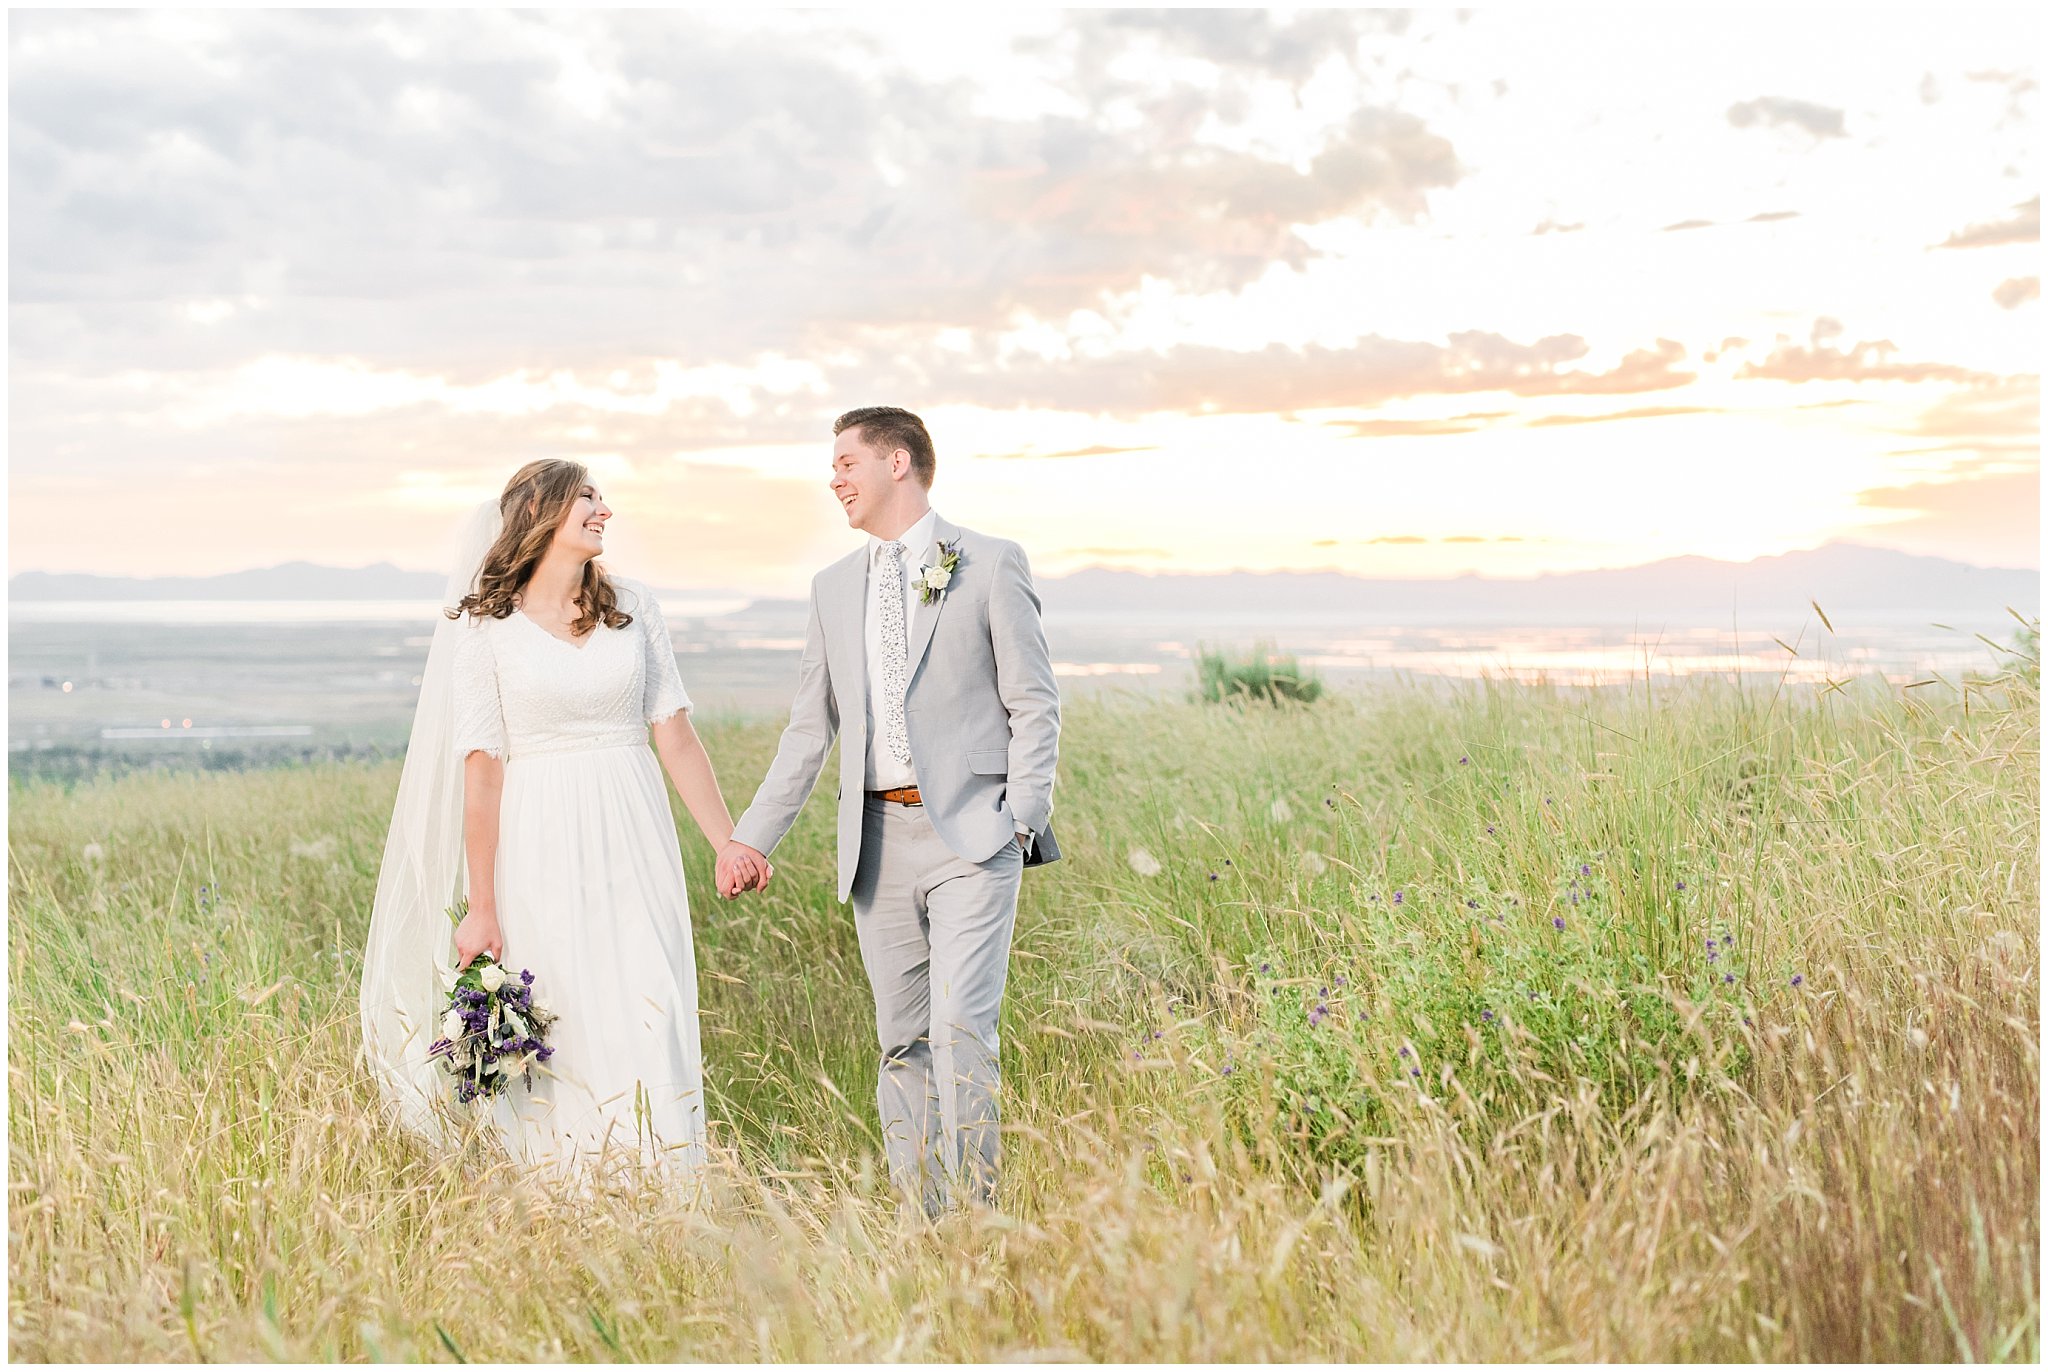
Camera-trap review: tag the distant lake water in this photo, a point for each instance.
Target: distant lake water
(171, 676)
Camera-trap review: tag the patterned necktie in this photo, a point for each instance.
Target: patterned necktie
(895, 653)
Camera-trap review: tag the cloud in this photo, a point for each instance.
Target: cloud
(1778, 111)
(2004, 411)
(1816, 360)
(1398, 538)
(1094, 450)
(1551, 421)
(1420, 428)
(2021, 225)
(1553, 226)
(2017, 291)
(1685, 224)
(1197, 379)
(1995, 513)
(480, 192)
(1251, 41)
(1772, 217)
(1109, 552)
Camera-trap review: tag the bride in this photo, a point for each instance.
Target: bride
(529, 770)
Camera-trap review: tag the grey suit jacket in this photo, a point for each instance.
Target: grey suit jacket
(982, 708)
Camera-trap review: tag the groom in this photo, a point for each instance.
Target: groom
(925, 655)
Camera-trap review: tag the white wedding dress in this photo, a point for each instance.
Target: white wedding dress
(590, 885)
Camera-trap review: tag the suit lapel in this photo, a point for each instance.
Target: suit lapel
(928, 614)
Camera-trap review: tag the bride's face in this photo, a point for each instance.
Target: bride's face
(582, 530)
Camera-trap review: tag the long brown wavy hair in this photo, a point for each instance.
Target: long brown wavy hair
(536, 501)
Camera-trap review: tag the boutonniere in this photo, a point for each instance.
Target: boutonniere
(932, 581)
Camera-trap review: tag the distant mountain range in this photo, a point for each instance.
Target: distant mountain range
(1845, 576)
(290, 581)
(1848, 576)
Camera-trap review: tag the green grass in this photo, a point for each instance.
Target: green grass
(1593, 1147)
(1260, 674)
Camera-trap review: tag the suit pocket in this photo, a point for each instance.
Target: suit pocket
(990, 762)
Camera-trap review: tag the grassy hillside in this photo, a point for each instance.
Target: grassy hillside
(1513, 1025)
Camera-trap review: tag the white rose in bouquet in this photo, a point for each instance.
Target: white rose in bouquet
(452, 1025)
(492, 977)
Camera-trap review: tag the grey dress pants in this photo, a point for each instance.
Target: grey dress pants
(935, 939)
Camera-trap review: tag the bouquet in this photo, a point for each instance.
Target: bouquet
(492, 1030)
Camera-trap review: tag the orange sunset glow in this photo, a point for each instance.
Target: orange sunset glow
(1397, 295)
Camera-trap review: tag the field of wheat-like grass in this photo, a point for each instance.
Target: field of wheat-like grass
(1696, 1022)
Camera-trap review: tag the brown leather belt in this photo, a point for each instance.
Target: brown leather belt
(902, 795)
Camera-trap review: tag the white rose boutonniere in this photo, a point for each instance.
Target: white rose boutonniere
(932, 581)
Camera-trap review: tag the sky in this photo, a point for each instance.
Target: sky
(1406, 295)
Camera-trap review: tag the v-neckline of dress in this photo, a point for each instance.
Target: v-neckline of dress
(566, 643)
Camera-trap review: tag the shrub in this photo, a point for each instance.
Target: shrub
(1260, 675)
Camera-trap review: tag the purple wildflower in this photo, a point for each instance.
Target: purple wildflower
(1415, 1071)
(1585, 869)
(1265, 967)
(1463, 761)
(1727, 977)
(1798, 977)
(1557, 920)
(1486, 1015)
(1399, 897)
(1489, 828)
(1681, 886)
(1215, 877)
(1404, 1050)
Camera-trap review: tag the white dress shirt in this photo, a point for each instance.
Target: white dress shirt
(885, 773)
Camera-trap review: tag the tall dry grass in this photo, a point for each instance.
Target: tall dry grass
(1258, 1107)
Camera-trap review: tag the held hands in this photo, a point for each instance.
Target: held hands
(742, 869)
(478, 933)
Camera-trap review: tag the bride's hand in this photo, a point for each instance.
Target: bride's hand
(478, 933)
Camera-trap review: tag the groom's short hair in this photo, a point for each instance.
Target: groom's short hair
(887, 428)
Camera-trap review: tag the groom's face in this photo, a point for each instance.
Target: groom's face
(866, 481)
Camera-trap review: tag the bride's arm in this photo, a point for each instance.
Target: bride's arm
(688, 765)
(483, 783)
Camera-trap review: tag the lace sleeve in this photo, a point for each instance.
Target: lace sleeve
(663, 694)
(479, 716)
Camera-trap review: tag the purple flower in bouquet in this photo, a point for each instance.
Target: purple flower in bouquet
(492, 1032)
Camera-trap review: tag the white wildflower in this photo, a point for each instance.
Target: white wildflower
(1144, 864)
(320, 849)
(1282, 811)
(94, 854)
(492, 977)
(1314, 863)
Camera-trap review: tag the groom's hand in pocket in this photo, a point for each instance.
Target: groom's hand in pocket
(741, 868)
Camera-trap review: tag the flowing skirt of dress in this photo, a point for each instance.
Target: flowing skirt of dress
(591, 899)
